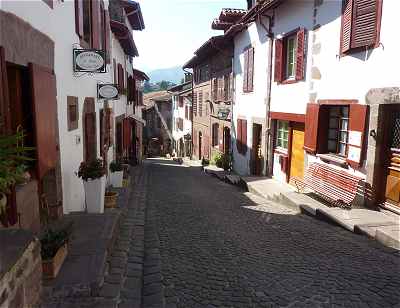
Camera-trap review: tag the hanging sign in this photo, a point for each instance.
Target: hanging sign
(223, 113)
(89, 60)
(107, 91)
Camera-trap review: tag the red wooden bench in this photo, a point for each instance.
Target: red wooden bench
(333, 185)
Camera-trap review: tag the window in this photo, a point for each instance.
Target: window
(202, 73)
(186, 112)
(338, 134)
(248, 70)
(227, 87)
(72, 114)
(241, 136)
(87, 16)
(282, 134)
(360, 24)
(336, 127)
(289, 57)
(200, 104)
(195, 103)
(180, 101)
(215, 128)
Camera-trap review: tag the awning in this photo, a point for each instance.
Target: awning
(124, 37)
(134, 14)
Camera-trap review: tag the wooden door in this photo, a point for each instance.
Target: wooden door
(227, 140)
(256, 150)
(392, 191)
(297, 151)
(44, 100)
(200, 145)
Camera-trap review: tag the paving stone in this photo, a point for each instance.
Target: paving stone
(133, 283)
(130, 304)
(152, 288)
(157, 277)
(131, 293)
(114, 278)
(110, 290)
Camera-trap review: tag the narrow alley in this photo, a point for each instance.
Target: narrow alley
(221, 247)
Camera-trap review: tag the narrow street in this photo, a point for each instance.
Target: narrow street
(217, 252)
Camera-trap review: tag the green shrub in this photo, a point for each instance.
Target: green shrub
(223, 160)
(116, 166)
(91, 170)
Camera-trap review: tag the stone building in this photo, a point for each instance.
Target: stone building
(212, 100)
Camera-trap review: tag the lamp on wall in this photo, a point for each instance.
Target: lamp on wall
(372, 133)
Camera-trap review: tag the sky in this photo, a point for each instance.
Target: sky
(174, 29)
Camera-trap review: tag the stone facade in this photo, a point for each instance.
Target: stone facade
(20, 269)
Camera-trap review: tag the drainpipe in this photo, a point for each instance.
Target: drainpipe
(191, 114)
(268, 141)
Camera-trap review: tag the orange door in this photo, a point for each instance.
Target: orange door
(297, 152)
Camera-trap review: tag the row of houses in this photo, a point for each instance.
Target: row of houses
(60, 107)
(290, 83)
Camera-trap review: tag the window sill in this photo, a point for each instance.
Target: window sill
(289, 81)
(281, 151)
(333, 158)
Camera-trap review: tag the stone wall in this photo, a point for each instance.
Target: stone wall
(20, 269)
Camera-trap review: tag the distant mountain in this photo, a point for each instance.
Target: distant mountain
(173, 74)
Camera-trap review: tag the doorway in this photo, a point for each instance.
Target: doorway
(256, 150)
(392, 155)
(227, 140)
(200, 145)
(297, 151)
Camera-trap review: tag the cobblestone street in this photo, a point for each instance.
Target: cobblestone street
(220, 247)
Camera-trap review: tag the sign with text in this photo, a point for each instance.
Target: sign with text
(89, 60)
(107, 91)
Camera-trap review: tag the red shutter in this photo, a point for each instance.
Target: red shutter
(250, 72)
(107, 36)
(111, 126)
(44, 99)
(102, 132)
(120, 78)
(244, 136)
(347, 13)
(278, 61)
(239, 136)
(186, 112)
(96, 21)
(364, 24)
(90, 136)
(115, 71)
(357, 122)
(246, 71)
(127, 134)
(4, 95)
(79, 18)
(301, 35)
(311, 128)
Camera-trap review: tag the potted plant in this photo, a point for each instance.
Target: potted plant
(110, 199)
(54, 249)
(94, 182)
(13, 156)
(116, 174)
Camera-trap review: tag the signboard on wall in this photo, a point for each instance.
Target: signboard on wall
(107, 91)
(89, 60)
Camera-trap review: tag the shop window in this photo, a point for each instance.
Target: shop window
(338, 130)
(215, 128)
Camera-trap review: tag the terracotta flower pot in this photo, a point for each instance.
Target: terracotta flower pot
(110, 199)
(52, 267)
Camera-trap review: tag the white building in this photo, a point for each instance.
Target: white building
(182, 118)
(319, 89)
(69, 124)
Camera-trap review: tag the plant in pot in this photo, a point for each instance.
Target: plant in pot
(116, 174)
(13, 159)
(94, 182)
(54, 248)
(110, 199)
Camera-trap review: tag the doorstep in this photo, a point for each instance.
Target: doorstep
(378, 225)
